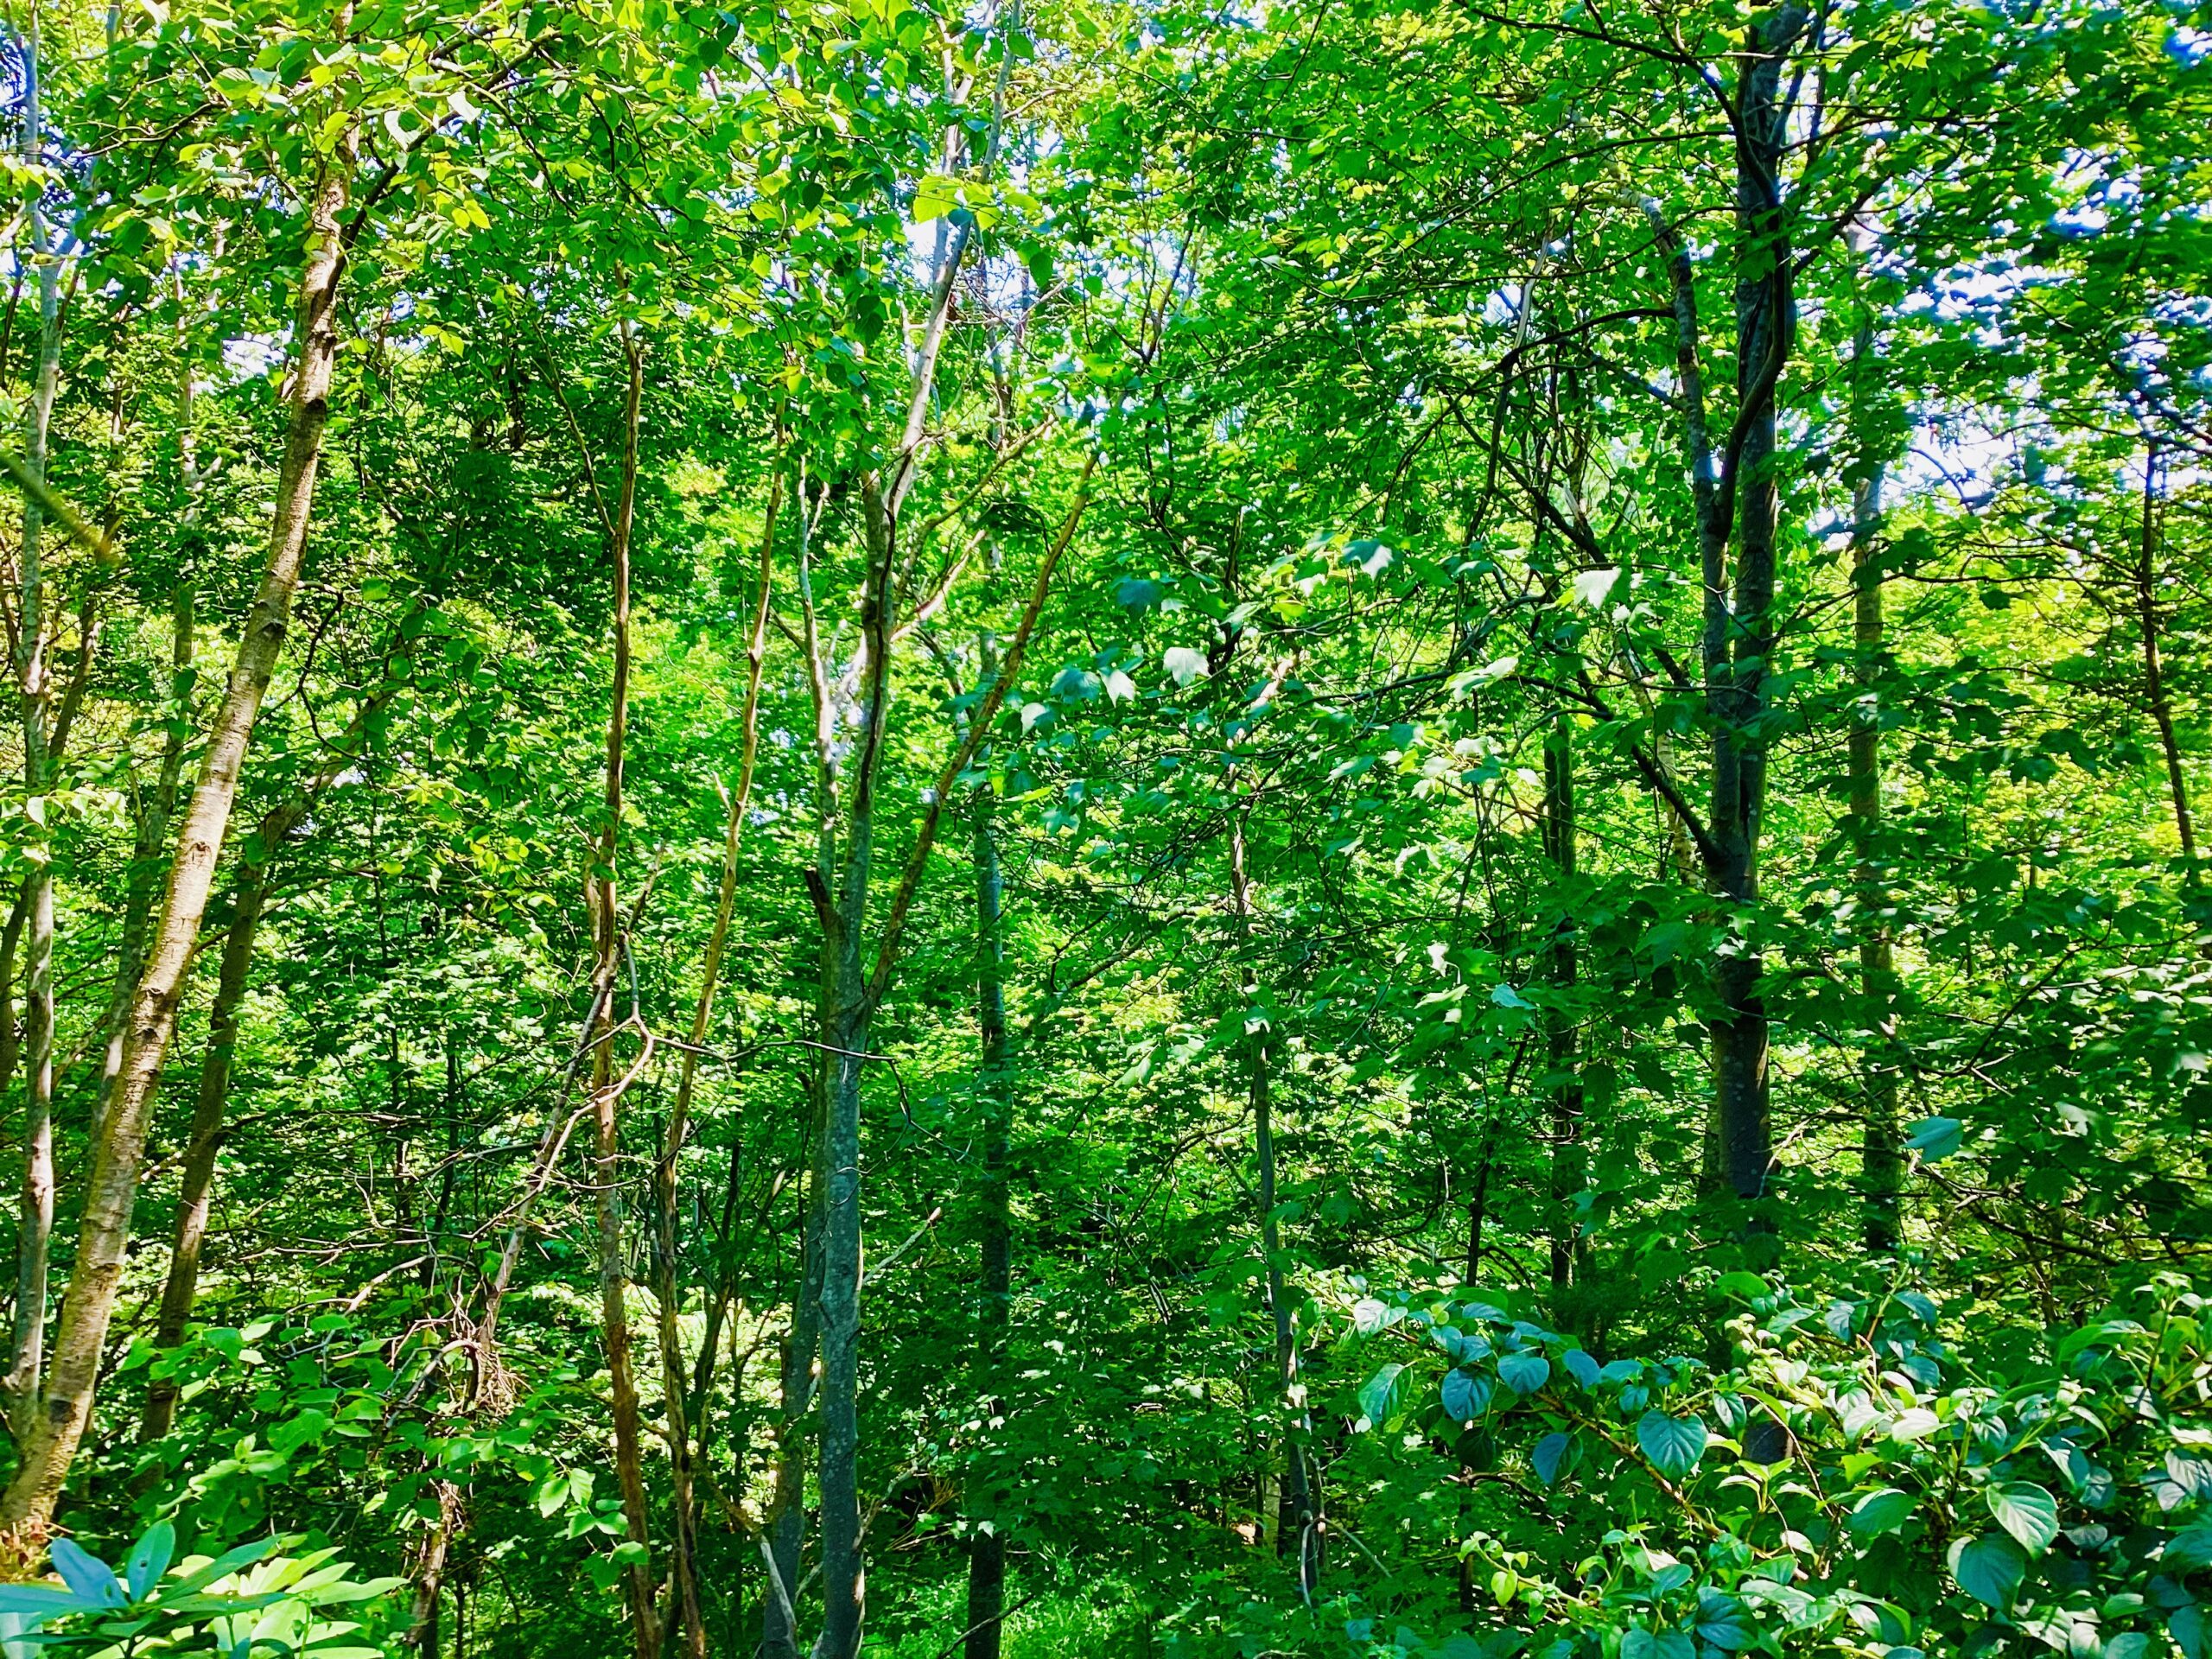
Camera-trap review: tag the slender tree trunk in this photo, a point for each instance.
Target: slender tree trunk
(1881, 1159)
(2154, 679)
(182, 1285)
(11, 942)
(1298, 1530)
(1478, 1199)
(606, 1090)
(1567, 1162)
(27, 1359)
(146, 852)
(112, 1189)
(430, 1572)
(785, 1545)
(995, 1085)
(850, 1011)
(683, 1564)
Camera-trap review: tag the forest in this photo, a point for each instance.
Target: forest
(1106, 829)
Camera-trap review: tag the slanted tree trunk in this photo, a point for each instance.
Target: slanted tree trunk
(203, 1141)
(111, 1191)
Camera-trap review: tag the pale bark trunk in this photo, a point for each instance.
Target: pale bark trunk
(27, 1359)
(784, 1544)
(849, 1010)
(112, 1189)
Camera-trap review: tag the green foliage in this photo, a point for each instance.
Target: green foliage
(1311, 400)
(1873, 1480)
(248, 1601)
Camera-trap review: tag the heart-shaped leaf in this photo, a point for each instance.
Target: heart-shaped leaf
(1673, 1444)
(2025, 1510)
(1467, 1396)
(1524, 1373)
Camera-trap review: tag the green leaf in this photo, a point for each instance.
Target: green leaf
(1183, 663)
(1640, 1643)
(42, 1599)
(92, 1579)
(1545, 1460)
(1525, 1373)
(1990, 1569)
(1467, 1396)
(1379, 1393)
(1673, 1444)
(2188, 1550)
(1936, 1138)
(1879, 1512)
(150, 1559)
(2025, 1510)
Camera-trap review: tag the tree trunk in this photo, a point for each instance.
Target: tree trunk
(1765, 315)
(1881, 1159)
(204, 1141)
(27, 1359)
(784, 1544)
(682, 1563)
(849, 1010)
(146, 851)
(1567, 1161)
(181, 1286)
(1298, 1532)
(607, 1089)
(995, 1085)
(430, 1572)
(2154, 679)
(112, 1189)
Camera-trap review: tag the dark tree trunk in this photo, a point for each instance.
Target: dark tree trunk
(994, 1087)
(1567, 1161)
